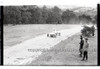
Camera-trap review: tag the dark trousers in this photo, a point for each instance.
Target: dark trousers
(85, 55)
(80, 52)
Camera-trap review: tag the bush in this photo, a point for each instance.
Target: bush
(87, 31)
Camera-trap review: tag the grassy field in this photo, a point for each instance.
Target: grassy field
(67, 53)
(64, 53)
(19, 33)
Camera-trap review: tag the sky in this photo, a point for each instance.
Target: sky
(63, 3)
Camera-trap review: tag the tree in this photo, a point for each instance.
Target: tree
(56, 10)
(44, 14)
(12, 15)
(85, 18)
(26, 16)
(53, 18)
(67, 15)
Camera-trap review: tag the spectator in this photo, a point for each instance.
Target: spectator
(85, 49)
(81, 45)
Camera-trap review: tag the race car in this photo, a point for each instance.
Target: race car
(54, 34)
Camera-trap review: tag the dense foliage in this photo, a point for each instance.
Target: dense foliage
(88, 31)
(36, 15)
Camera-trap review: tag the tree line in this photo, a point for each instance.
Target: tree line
(36, 15)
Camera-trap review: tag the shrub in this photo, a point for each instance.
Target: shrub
(87, 31)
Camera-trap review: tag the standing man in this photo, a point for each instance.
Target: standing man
(81, 45)
(85, 49)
